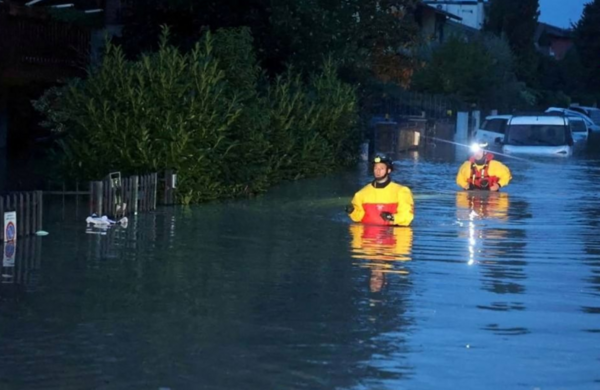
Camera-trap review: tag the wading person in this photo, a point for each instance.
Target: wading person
(482, 172)
(382, 202)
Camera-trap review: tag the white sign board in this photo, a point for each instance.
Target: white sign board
(10, 226)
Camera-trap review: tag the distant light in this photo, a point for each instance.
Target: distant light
(62, 6)
(93, 11)
(32, 2)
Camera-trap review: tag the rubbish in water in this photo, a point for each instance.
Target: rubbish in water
(96, 221)
(99, 225)
(41, 233)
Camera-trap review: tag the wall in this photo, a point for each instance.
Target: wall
(471, 12)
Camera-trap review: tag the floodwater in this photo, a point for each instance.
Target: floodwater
(484, 291)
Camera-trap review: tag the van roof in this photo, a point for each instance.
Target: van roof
(487, 118)
(559, 120)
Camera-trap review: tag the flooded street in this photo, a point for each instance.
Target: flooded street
(484, 291)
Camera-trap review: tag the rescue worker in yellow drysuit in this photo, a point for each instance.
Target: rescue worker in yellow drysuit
(382, 202)
(482, 172)
(382, 249)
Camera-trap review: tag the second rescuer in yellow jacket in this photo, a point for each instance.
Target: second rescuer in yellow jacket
(382, 202)
(482, 172)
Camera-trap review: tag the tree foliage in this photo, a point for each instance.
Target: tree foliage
(587, 31)
(354, 34)
(516, 20)
(479, 72)
(206, 114)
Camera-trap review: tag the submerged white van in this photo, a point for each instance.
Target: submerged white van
(548, 135)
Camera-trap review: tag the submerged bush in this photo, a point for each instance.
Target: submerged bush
(208, 114)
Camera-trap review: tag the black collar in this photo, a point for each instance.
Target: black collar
(381, 185)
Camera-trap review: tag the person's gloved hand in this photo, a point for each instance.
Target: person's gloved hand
(387, 216)
(349, 209)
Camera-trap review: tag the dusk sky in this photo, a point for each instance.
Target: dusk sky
(561, 12)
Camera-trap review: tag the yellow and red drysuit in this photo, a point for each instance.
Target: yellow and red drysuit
(389, 197)
(473, 176)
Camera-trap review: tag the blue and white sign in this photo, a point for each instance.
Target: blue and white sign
(10, 226)
(10, 252)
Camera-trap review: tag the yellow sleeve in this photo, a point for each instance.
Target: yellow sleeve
(462, 178)
(359, 212)
(501, 171)
(406, 208)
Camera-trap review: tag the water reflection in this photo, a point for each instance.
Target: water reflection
(494, 245)
(21, 264)
(384, 249)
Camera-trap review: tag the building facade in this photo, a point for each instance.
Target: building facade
(471, 12)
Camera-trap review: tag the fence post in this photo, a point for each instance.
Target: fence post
(170, 184)
(154, 177)
(462, 127)
(20, 215)
(96, 198)
(135, 182)
(40, 211)
(2, 216)
(476, 121)
(28, 229)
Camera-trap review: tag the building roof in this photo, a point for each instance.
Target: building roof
(550, 30)
(440, 11)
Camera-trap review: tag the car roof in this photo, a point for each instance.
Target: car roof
(487, 118)
(586, 108)
(566, 111)
(539, 120)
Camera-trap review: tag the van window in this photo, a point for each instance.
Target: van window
(495, 125)
(595, 116)
(578, 126)
(537, 135)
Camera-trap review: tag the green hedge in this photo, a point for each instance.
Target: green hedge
(210, 114)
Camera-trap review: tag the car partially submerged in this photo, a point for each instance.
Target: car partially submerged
(592, 112)
(543, 134)
(493, 127)
(591, 125)
(579, 130)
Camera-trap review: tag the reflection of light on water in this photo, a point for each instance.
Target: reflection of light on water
(472, 242)
(381, 249)
(473, 207)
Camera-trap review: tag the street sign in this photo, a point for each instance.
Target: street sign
(10, 226)
(10, 252)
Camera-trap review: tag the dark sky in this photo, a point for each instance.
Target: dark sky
(561, 12)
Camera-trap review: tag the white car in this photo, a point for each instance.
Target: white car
(571, 113)
(592, 112)
(579, 130)
(548, 135)
(491, 129)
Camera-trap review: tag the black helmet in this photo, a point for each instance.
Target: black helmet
(383, 159)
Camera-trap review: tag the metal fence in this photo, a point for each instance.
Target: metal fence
(116, 197)
(29, 210)
(414, 104)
